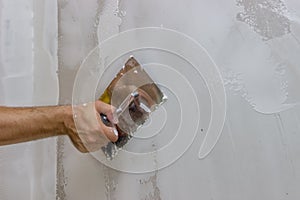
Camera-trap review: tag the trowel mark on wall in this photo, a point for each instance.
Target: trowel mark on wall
(265, 17)
(280, 74)
(233, 81)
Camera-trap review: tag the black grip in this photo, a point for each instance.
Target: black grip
(105, 120)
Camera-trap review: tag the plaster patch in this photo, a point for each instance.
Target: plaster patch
(154, 193)
(265, 17)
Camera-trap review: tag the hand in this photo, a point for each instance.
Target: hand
(86, 130)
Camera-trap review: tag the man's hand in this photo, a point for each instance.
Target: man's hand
(32, 123)
(86, 130)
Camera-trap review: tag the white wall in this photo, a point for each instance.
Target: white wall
(255, 44)
(256, 157)
(28, 65)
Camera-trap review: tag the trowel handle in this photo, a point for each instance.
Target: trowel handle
(105, 120)
(132, 97)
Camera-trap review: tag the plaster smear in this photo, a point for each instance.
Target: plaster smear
(261, 71)
(110, 19)
(235, 83)
(265, 17)
(285, 52)
(77, 36)
(149, 188)
(110, 183)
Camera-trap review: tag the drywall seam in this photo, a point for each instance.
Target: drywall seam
(109, 25)
(76, 37)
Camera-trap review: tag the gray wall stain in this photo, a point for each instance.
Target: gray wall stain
(265, 17)
(109, 15)
(151, 186)
(60, 173)
(61, 181)
(110, 181)
(151, 189)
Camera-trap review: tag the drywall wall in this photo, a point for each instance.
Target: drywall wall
(77, 36)
(28, 67)
(254, 44)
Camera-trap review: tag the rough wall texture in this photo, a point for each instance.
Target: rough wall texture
(254, 44)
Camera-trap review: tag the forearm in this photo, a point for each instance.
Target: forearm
(26, 124)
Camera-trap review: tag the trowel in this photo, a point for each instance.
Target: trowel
(134, 95)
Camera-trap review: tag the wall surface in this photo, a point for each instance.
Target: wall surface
(28, 65)
(255, 45)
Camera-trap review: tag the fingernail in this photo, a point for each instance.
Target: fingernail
(115, 131)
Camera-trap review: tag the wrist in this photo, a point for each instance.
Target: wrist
(65, 119)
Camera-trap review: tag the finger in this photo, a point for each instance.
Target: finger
(110, 132)
(106, 109)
